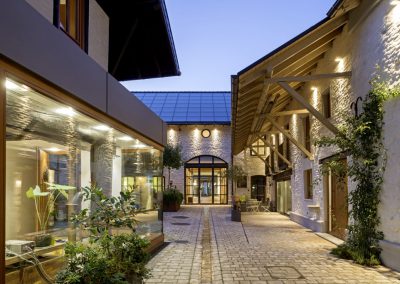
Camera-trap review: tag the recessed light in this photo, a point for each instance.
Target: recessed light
(102, 127)
(69, 111)
(53, 149)
(11, 85)
(125, 138)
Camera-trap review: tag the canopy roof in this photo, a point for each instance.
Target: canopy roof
(257, 91)
(141, 44)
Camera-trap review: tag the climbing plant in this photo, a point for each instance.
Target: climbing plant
(360, 137)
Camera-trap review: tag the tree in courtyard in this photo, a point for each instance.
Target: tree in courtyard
(172, 158)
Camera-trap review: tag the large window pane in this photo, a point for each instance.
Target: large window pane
(52, 151)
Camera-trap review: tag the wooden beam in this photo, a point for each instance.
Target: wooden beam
(290, 137)
(289, 112)
(301, 100)
(322, 34)
(273, 148)
(255, 152)
(309, 77)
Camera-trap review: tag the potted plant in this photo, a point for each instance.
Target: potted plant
(43, 215)
(172, 158)
(107, 257)
(172, 199)
(235, 173)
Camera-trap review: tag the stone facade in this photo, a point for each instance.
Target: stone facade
(193, 144)
(370, 39)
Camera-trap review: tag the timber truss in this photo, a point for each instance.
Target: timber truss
(266, 123)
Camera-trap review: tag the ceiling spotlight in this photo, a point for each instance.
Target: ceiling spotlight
(10, 85)
(125, 138)
(102, 127)
(69, 111)
(53, 149)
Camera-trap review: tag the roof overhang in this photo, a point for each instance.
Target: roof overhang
(140, 42)
(261, 90)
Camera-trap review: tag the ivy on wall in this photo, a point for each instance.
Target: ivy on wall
(360, 137)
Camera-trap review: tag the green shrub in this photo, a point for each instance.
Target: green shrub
(172, 195)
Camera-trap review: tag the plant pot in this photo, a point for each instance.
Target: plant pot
(43, 240)
(171, 207)
(236, 215)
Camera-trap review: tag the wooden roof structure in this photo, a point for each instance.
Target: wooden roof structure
(263, 90)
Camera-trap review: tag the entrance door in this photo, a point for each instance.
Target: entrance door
(258, 187)
(283, 197)
(338, 204)
(206, 188)
(206, 181)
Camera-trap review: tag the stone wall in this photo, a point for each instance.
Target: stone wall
(371, 38)
(193, 144)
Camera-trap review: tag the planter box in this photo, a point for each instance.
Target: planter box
(236, 215)
(171, 207)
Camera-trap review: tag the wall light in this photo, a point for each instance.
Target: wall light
(394, 15)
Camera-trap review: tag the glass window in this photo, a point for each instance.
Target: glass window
(71, 19)
(52, 151)
(258, 148)
(308, 184)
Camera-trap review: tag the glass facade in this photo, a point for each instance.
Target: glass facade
(52, 151)
(206, 181)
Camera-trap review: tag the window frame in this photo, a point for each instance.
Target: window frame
(327, 104)
(308, 184)
(82, 16)
(259, 145)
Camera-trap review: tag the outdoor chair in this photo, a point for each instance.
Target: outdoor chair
(265, 207)
(253, 206)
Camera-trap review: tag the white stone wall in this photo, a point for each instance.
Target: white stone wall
(193, 144)
(253, 166)
(98, 34)
(370, 39)
(44, 7)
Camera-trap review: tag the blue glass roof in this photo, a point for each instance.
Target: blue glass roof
(189, 107)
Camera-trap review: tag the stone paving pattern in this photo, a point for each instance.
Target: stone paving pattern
(264, 248)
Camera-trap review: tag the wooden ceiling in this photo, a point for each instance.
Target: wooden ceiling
(256, 93)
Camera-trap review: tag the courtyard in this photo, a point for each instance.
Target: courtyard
(205, 246)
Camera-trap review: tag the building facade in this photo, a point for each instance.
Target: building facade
(199, 122)
(67, 121)
(301, 92)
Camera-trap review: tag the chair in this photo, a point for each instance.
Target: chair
(253, 206)
(265, 207)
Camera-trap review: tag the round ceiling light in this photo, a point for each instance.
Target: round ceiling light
(206, 133)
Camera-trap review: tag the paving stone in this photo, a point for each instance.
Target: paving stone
(242, 252)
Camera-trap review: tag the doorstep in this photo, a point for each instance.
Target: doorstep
(330, 238)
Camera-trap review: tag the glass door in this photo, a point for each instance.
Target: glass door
(192, 186)
(206, 188)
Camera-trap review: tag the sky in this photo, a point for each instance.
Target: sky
(215, 39)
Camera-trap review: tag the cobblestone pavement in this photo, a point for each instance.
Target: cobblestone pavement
(206, 247)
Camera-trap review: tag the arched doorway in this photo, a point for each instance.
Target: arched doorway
(206, 181)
